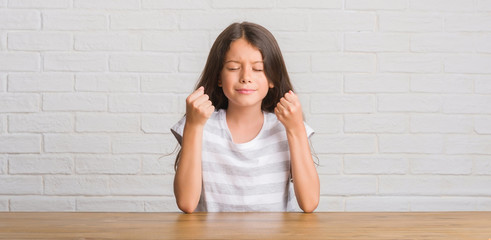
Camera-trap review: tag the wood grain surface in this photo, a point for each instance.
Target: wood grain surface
(424, 225)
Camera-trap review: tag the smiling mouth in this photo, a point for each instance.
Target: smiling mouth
(245, 91)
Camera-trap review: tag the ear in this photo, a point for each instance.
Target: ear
(219, 82)
(271, 85)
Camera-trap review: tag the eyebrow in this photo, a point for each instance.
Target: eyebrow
(234, 61)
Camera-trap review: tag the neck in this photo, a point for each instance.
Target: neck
(244, 116)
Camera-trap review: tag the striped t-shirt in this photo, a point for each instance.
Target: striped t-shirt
(252, 176)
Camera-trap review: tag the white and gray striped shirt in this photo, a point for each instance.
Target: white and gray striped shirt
(253, 176)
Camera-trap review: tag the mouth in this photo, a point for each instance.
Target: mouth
(245, 91)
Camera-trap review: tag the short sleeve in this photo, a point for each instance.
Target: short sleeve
(310, 131)
(178, 129)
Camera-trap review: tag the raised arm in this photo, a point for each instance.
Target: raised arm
(304, 174)
(188, 178)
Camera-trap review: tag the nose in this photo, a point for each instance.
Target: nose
(245, 76)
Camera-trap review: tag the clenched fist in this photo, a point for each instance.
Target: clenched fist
(198, 108)
(289, 111)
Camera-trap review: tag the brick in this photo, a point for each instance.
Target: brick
(376, 4)
(141, 185)
(442, 5)
(317, 82)
(410, 22)
(376, 83)
(483, 5)
(410, 63)
(471, 22)
(482, 165)
(478, 104)
(107, 122)
(342, 103)
(348, 185)
(40, 164)
(109, 204)
(253, 4)
(17, 185)
(192, 62)
(162, 204)
(106, 164)
(483, 84)
(468, 64)
(309, 41)
(158, 164)
(3, 164)
(41, 122)
(367, 164)
(76, 185)
(4, 203)
(75, 62)
(20, 19)
(437, 83)
(375, 123)
(409, 103)
(3, 82)
(3, 3)
(426, 123)
(483, 43)
(297, 62)
(18, 102)
(405, 143)
(468, 144)
(143, 103)
(482, 124)
(107, 4)
(314, 4)
(276, 21)
(448, 204)
(159, 123)
(443, 42)
(208, 21)
(347, 143)
(343, 21)
(136, 143)
(330, 204)
(182, 41)
(40, 82)
(42, 204)
(107, 42)
(19, 62)
(143, 63)
(378, 204)
(442, 165)
(328, 164)
(376, 42)
(434, 185)
(325, 123)
(343, 62)
(39, 4)
(74, 102)
(39, 41)
(74, 20)
(168, 83)
(107, 82)
(66, 143)
(20, 143)
(171, 4)
(143, 20)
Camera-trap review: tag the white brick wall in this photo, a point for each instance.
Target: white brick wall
(398, 91)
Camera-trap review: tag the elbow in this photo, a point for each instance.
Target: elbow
(186, 208)
(309, 206)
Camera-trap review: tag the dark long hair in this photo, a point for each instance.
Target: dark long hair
(274, 65)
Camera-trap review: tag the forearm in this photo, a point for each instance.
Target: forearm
(188, 179)
(304, 174)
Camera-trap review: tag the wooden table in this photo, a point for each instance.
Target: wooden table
(448, 225)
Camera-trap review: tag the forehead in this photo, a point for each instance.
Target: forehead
(242, 50)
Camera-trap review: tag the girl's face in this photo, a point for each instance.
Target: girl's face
(242, 79)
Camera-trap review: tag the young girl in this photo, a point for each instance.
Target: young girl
(243, 139)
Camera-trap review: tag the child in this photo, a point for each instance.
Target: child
(243, 139)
